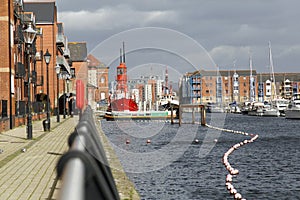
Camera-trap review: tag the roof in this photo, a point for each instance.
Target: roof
(44, 11)
(279, 77)
(78, 51)
(224, 73)
(262, 77)
(92, 61)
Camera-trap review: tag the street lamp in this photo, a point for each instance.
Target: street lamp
(29, 36)
(47, 57)
(66, 77)
(57, 69)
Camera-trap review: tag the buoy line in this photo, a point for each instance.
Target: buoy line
(232, 171)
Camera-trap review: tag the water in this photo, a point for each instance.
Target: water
(269, 168)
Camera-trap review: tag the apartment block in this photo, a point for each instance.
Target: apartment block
(224, 87)
(27, 81)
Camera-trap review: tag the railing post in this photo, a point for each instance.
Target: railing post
(203, 116)
(180, 115)
(172, 118)
(193, 115)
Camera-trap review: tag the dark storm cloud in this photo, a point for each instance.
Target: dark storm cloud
(229, 30)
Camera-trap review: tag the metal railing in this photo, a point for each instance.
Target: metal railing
(84, 169)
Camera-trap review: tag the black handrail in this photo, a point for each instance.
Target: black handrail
(84, 169)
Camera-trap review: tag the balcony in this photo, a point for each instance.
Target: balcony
(67, 53)
(60, 40)
(61, 60)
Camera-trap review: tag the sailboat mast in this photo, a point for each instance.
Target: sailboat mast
(251, 80)
(272, 76)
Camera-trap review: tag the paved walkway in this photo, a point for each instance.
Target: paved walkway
(28, 167)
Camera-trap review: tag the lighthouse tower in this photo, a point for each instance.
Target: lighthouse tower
(121, 78)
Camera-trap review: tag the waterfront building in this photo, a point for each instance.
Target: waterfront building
(221, 87)
(226, 86)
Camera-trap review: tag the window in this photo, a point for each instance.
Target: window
(102, 95)
(120, 71)
(102, 80)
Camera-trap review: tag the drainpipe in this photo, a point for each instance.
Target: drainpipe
(10, 70)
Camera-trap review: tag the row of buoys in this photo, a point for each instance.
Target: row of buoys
(147, 141)
(232, 171)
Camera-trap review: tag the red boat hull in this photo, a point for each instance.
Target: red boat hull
(123, 104)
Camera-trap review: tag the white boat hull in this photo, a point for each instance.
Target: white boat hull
(255, 113)
(271, 113)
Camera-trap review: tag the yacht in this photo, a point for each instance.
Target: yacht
(256, 109)
(245, 108)
(270, 110)
(234, 108)
(167, 100)
(281, 105)
(293, 110)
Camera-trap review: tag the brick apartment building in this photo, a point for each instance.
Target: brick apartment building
(23, 70)
(234, 85)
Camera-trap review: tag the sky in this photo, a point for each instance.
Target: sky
(187, 35)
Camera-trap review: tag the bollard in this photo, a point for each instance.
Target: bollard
(203, 116)
(172, 118)
(46, 125)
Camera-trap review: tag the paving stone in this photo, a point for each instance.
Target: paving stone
(30, 174)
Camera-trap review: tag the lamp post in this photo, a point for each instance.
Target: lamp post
(68, 96)
(47, 57)
(57, 69)
(29, 36)
(64, 98)
(64, 77)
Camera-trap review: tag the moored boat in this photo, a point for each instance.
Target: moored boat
(245, 108)
(281, 105)
(256, 109)
(137, 115)
(234, 108)
(293, 110)
(270, 110)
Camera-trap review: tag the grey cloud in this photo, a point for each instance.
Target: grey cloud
(224, 28)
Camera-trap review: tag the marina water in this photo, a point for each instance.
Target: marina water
(269, 168)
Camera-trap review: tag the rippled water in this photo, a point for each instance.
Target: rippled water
(269, 168)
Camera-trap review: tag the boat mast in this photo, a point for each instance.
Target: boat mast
(252, 98)
(166, 82)
(235, 84)
(219, 87)
(272, 76)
